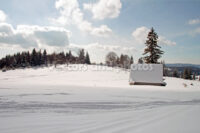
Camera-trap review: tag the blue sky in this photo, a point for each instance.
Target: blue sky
(101, 26)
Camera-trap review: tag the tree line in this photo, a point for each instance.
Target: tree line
(41, 58)
(124, 61)
(186, 74)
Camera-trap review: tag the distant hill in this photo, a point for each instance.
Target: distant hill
(183, 65)
(180, 67)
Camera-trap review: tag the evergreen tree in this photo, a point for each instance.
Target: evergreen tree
(121, 59)
(61, 58)
(45, 57)
(81, 56)
(51, 58)
(194, 76)
(34, 58)
(7, 61)
(67, 56)
(18, 59)
(175, 73)
(24, 61)
(131, 60)
(140, 61)
(14, 62)
(87, 59)
(187, 74)
(152, 50)
(28, 58)
(39, 60)
(70, 54)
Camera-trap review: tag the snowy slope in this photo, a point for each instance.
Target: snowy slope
(88, 99)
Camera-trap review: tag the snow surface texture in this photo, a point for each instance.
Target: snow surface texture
(81, 99)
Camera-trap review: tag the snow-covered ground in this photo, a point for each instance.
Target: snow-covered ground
(94, 99)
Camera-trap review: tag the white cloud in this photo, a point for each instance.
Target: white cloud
(194, 21)
(8, 35)
(104, 9)
(103, 30)
(70, 13)
(9, 49)
(163, 41)
(53, 39)
(33, 36)
(15, 48)
(2, 16)
(140, 35)
(195, 31)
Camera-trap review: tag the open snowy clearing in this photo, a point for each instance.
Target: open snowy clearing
(94, 99)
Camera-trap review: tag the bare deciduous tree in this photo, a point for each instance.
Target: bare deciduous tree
(111, 59)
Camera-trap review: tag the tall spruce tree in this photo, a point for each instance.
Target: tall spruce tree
(121, 59)
(152, 50)
(28, 58)
(87, 59)
(45, 57)
(175, 73)
(19, 60)
(131, 60)
(187, 74)
(70, 54)
(34, 58)
(39, 58)
(81, 56)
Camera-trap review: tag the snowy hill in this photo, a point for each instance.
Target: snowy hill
(79, 98)
(85, 75)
